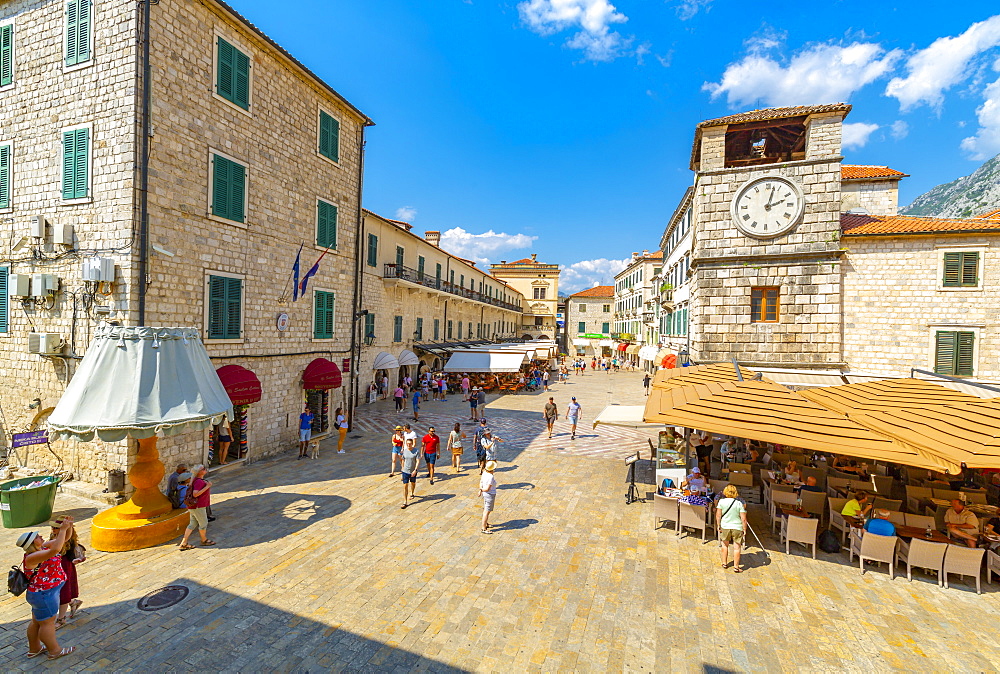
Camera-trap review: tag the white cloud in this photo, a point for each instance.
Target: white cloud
(821, 73)
(986, 142)
(942, 65)
(589, 273)
(592, 18)
(687, 9)
(899, 129)
(482, 248)
(856, 135)
(406, 213)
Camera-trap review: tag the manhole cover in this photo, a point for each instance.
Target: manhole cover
(162, 598)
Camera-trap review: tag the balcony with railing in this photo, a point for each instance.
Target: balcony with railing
(401, 273)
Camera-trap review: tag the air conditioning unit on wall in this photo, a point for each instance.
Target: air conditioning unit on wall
(45, 343)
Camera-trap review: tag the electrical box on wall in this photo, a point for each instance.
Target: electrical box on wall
(62, 235)
(19, 285)
(45, 343)
(98, 269)
(44, 284)
(38, 227)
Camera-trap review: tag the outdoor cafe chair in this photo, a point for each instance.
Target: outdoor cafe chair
(882, 485)
(693, 517)
(937, 512)
(717, 485)
(665, 508)
(801, 530)
(813, 502)
(897, 517)
(887, 504)
(975, 497)
(946, 494)
(921, 554)
(833, 483)
(818, 473)
(914, 495)
(922, 521)
(965, 562)
(742, 467)
(992, 565)
(837, 520)
(867, 546)
(780, 498)
(780, 460)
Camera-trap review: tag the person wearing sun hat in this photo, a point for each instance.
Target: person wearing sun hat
(43, 566)
(397, 450)
(488, 490)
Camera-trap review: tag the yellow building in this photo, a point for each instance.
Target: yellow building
(539, 283)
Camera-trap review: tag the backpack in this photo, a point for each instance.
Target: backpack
(174, 495)
(18, 581)
(190, 500)
(828, 542)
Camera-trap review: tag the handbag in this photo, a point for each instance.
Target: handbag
(18, 581)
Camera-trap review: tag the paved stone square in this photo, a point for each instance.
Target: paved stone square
(317, 568)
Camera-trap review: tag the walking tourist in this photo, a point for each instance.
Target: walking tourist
(197, 500)
(397, 449)
(545, 380)
(488, 490)
(398, 396)
(305, 430)
(224, 433)
(474, 404)
(489, 443)
(573, 415)
(71, 554)
(477, 442)
(342, 427)
(411, 455)
(731, 521)
(465, 387)
(481, 402)
(551, 413)
(42, 564)
(385, 386)
(455, 445)
(645, 382)
(416, 405)
(443, 385)
(432, 443)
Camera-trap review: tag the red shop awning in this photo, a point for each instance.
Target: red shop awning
(240, 383)
(622, 346)
(320, 375)
(669, 361)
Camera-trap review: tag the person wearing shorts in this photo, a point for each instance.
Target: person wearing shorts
(474, 404)
(411, 454)
(305, 430)
(432, 443)
(731, 521)
(488, 489)
(551, 413)
(416, 405)
(573, 415)
(397, 450)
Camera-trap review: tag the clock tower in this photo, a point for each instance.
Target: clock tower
(766, 262)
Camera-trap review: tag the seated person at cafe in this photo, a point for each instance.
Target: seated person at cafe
(961, 523)
(857, 506)
(792, 472)
(811, 485)
(694, 481)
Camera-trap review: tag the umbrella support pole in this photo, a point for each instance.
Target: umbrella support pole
(146, 519)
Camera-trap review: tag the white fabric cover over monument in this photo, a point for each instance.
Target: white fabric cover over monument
(485, 361)
(140, 381)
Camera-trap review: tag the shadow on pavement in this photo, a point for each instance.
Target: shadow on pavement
(295, 512)
(513, 524)
(218, 631)
(516, 485)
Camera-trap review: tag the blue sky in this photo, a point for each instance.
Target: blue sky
(571, 121)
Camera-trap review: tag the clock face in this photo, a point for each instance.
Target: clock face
(766, 207)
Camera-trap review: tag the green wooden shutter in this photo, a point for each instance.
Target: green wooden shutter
(234, 308)
(970, 269)
(397, 329)
(6, 55)
(4, 324)
(228, 189)
(372, 250)
(419, 328)
(78, 29)
(326, 225)
(945, 349)
(238, 191)
(225, 307)
(224, 70)
(76, 146)
(369, 325)
(399, 256)
(241, 79)
(323, 316)
(963, 359)
(952, 270)
(581, 327)
(4, 176)
(437, 329)
(329, 136)
(605, 328)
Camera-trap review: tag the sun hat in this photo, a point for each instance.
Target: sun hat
(398, 428)
(25, 540)
(490, 466)
(56, 523)
(184, 477)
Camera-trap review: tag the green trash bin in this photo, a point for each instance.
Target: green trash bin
(27, 507)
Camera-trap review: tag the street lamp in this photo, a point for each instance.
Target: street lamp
(369, 339)
(682, 356)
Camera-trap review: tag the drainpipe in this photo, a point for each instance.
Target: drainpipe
(144, 166)
(356, 301)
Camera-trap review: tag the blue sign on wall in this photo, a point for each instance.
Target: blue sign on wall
(25, 439)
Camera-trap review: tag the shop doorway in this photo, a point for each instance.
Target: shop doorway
(238, 448)
(319, 404)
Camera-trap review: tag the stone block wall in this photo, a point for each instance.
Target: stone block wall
(45, 98)
(878, 197)
(890, 337)
(823, 135)
(713, 148)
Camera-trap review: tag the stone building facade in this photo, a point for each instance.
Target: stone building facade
(539, 284)
(590, 312)
(869, 189)
(637, 306)
(420, 298)
(251, 158)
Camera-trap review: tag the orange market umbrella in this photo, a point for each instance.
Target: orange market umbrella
(766, 411)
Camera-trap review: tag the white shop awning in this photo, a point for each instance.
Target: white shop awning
(647, 353)
(629, 416)
(581, 342)
(485, 361)
(605, 342)
(385, 361)
(407, 357)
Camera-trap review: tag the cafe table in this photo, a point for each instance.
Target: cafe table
(795, 512)
(916, 532)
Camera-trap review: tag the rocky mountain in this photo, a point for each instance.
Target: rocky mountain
(962, 198)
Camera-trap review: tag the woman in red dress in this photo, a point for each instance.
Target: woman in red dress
(72, 553)
(43, 566)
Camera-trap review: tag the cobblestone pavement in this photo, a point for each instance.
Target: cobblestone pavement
(317, 568)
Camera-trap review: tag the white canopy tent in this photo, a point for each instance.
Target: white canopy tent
(407, 357)
(505, 360)
(385, 361)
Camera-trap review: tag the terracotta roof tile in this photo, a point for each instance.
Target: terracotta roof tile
(988, 215)
(775, 113)
(524, 260)
(874, 225)
(861, 172)
(596, 291)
